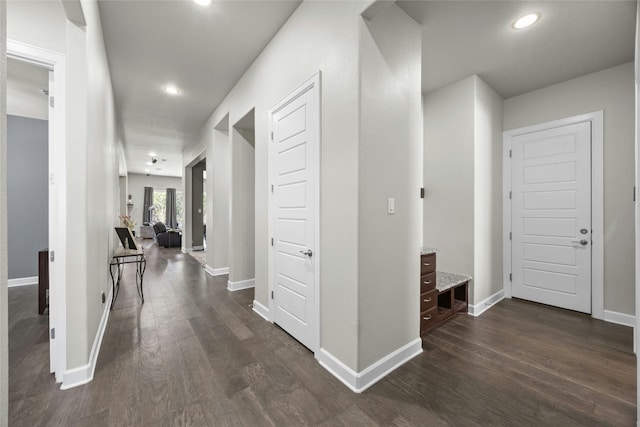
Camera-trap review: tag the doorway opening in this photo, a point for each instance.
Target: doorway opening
(52, 65)
(242, 204)
(198, 206)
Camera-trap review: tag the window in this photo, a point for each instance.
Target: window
(179, 211)
(159, 213)
(159, 205)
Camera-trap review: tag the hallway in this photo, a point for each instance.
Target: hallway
(195, 354)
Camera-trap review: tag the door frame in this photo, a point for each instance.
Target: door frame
(54, 61)
(311, 84)
(187, 199)
(597, 202)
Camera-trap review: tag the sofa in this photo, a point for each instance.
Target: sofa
(167, 238)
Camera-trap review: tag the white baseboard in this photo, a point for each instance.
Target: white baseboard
(261, 310)
(619, 318)
(216, 271)
(197, 248)
(240, 285)
(84, 374)
(360, 381)
(22, 281)
(484, 305)
(187, 250)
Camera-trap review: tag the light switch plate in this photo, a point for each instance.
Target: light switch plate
(391, 206)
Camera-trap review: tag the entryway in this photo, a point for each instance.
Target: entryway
(553, 213)
(54, 190)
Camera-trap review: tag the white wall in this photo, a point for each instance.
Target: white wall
(389, 167)
(4, 305)
(318, 36)
(136, 184)
(218, 185)
(39, 23)
(463, 182)
(103, 190)
(243, 183)
(124, 192)
(611, 90)
(487, 264)
(449, 175)
(78, 340)
(91, 159)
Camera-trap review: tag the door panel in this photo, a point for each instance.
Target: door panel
(551, 216)
(293, 162)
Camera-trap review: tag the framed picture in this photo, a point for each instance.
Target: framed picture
(126, 238)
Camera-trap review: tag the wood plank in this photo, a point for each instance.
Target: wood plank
(195, 354)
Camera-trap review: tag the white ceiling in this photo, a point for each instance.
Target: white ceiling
(571, 39)
(205, 51)
(202, 50)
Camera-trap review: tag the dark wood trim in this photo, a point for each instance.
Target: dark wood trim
(43, 280)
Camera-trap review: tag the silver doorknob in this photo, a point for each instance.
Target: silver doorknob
(308, 252)
(583, 242)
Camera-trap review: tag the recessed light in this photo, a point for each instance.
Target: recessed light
(202, 2)
(172, 90)
(526, 20)
(152, 154)
(149, 163)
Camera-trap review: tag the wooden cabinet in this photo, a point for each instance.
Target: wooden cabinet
(43, 280)
(442, 295)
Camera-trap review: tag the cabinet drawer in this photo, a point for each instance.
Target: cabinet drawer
(428, 319)
(427, 282)
(427, 263)
(428, 300)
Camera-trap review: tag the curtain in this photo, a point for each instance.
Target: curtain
(148, 201)
(171, 219)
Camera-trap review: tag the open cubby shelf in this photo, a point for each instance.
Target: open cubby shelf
(446, 303)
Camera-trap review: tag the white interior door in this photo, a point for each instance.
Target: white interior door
(293, 166)
(551, 216)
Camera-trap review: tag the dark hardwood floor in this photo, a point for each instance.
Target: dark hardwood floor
(195, 354)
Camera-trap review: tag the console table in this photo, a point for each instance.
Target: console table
(118, 260)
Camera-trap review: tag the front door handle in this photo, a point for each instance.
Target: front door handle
(308, 252)
(583, 242)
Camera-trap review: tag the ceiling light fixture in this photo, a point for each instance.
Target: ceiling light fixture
(202, 2)
(152, 154)
(172, 90)
(526, 20)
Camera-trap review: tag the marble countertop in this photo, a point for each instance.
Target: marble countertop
(446, 280)
(427, 251)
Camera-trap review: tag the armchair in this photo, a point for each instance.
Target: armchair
(167, 238)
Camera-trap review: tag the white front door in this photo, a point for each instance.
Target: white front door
(551, 216)
(293, 152)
